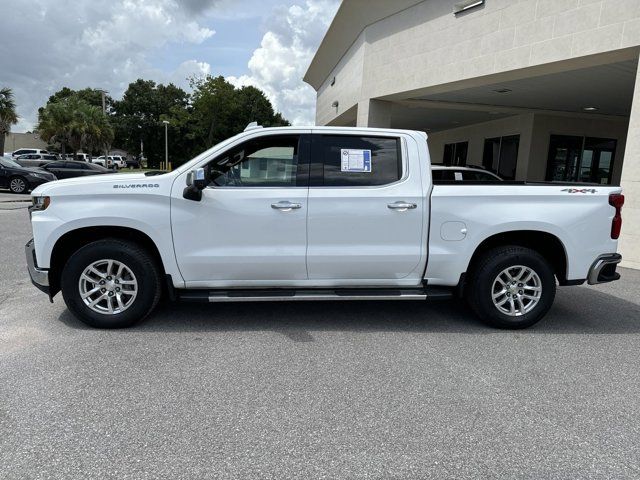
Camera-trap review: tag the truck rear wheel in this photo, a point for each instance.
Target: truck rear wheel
(111, 283)
(511, 287)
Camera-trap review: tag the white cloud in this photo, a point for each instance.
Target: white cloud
(48, 44)
(278, 65)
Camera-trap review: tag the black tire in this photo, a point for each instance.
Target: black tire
(484, 272)
(136, 258)
(18, 185)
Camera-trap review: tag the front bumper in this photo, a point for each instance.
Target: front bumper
(39, 277)
(603, 269)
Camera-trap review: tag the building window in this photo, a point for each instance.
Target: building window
(500, 155)
(455, 154)
(580, 159)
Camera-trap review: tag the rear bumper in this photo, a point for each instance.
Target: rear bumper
(39, 277)
(603, 269)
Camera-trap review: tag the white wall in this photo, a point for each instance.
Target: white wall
(347, 88)
(426, 46)
(630, 238)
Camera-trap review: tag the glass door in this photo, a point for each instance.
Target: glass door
(564, 156)
(597, 160)
(580, 159)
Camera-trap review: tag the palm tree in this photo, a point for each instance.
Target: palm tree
(74, 122)
(55, 123)
(97, 132)
(8, 115)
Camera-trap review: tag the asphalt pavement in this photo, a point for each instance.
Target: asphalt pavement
(406, 390)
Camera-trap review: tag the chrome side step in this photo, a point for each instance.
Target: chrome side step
(292, 295)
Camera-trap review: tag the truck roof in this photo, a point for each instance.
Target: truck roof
(392, 131)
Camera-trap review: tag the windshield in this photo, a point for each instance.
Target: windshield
(7, 162)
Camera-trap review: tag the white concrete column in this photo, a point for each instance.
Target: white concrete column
(629, 245)
(374, 113)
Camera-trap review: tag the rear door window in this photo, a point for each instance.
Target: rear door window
(355, 161)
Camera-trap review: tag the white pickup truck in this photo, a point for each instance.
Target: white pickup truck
(327, 213)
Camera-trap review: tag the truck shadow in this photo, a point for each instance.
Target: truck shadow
(579, 310)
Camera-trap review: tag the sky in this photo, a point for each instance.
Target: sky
(50, 44)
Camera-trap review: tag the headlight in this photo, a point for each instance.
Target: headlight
(40, 203)
(41, 176)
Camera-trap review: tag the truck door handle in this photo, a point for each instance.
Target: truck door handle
(402, 206)
(286, 206)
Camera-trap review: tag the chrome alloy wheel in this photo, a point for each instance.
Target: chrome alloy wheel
(108, 287)
(17, 185)
(516, 290)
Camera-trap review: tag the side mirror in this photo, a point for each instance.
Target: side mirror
(196, 182)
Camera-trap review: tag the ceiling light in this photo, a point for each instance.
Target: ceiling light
(590, 109)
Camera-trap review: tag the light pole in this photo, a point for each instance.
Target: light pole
(166, 144)
(104, 112)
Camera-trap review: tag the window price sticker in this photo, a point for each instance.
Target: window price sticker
(355, 161)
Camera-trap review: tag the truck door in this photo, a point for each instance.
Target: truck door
(366, 211)
(250, 226)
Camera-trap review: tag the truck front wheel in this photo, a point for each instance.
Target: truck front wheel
(111, 283)
(511, 287)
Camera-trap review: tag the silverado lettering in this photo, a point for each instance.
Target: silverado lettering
(138, 185)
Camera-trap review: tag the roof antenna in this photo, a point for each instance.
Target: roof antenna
(252, 126)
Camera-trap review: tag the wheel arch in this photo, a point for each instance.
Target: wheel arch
(75, 239)
(546, 244)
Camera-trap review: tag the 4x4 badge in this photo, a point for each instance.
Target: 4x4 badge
(580, 190)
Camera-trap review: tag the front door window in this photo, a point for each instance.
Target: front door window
(262, 162)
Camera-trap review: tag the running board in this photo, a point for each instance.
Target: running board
(275, 295)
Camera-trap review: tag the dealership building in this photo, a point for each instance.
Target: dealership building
(537, 90)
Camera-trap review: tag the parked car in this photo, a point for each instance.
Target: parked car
(441, 173)
(36, 159)
(25, 151)
(71, 169)
(329, 213)
(119, 161)
(21, 179)
(78, 156)
(132, 162)
(105, 162)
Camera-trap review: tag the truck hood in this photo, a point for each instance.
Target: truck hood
(102, 184)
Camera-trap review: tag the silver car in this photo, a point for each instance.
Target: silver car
(462, 174)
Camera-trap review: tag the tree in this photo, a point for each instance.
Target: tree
(220, 110)
(73, 121)
(92, 96)
(8, 115)
(97, 132)
(138, 117)
(55, 123)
